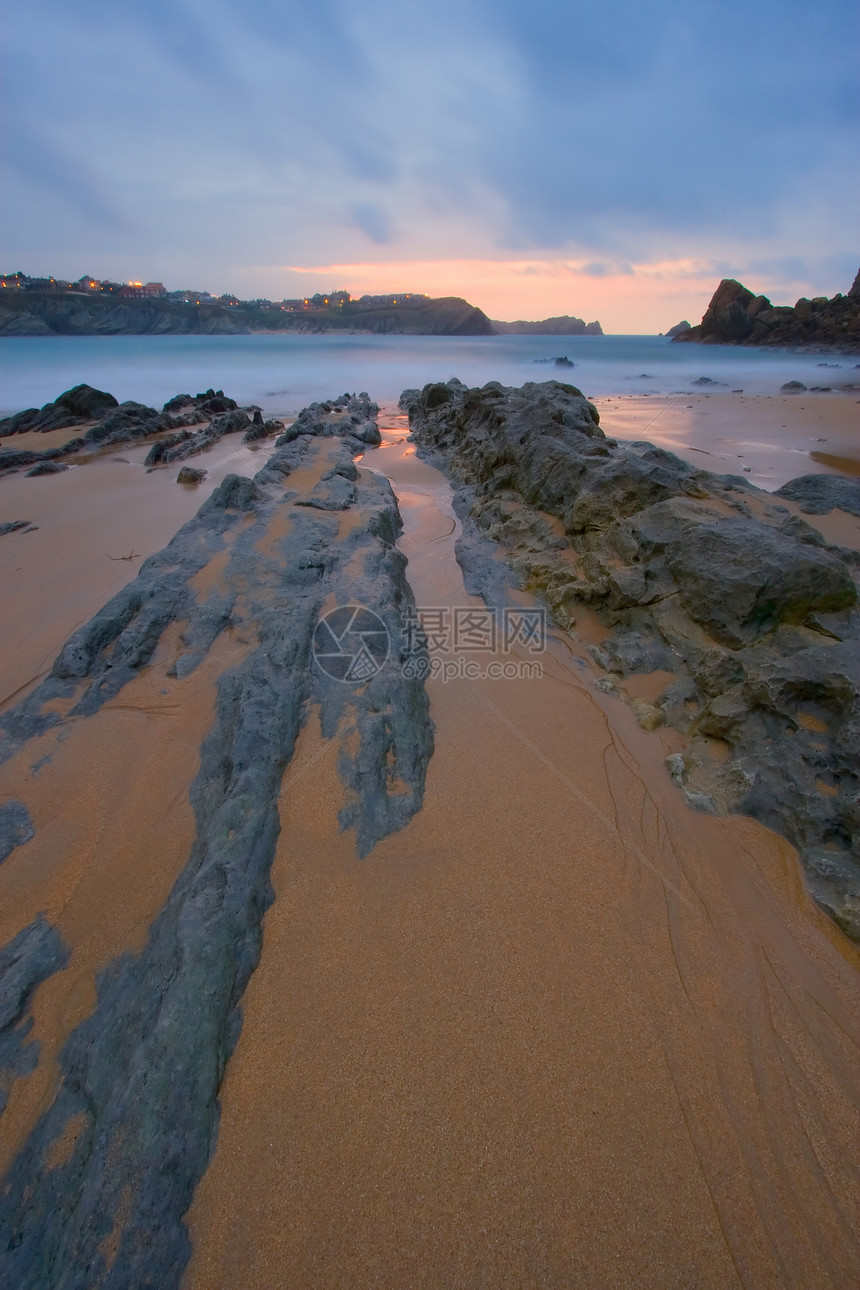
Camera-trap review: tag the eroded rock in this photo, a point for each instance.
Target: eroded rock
(696, 574)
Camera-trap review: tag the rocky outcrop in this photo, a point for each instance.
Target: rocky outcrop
(352, 416)
(564, 325)
(139, 1078)
(678, 329)
(211, 414)
(736, 316)
(696, 574)
(75, 407)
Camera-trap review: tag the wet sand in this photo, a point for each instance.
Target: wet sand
(88, 519)
(561, 1030)
(777, 436)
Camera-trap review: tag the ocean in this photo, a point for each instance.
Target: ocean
(283, 373)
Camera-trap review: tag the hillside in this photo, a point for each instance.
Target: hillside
(56, 313)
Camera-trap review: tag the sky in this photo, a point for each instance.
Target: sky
(609, 159)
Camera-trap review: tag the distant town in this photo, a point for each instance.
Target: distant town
(156, 290)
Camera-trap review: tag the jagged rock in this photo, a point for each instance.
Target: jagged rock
(818, 494)
(755, 616)
(13, 526)
(352, 416)
(736, 316)
(74, 407)
(188, 475)
(678, 329)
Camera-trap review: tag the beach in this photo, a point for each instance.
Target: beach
(558, 1029)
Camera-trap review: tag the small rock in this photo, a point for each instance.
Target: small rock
(646, 714)
(792, 386)
(46, 468)
(190, 475)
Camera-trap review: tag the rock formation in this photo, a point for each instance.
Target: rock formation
(138, 1079)
(696, 574)
(200, 420)
(678, 329)
(736, 316)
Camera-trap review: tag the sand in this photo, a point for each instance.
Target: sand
(777, 436)
(89, 519)
(560, 1031)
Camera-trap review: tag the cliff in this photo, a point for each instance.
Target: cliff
(737, 317)
(55, 313)
(563, 326)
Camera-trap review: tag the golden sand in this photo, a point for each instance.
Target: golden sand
(778, 436)
(561, 1030)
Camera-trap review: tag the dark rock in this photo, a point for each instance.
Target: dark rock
(706, 380)
(47, 468)
(792, 386)
(188, 475)
(739, 580)
(36, 953)
(352, 416)
(73, 407)
(736, 316)
(818, 494)
(678, 329)
(745, 610)
(88, 403)
(16, 827)
(13, 526)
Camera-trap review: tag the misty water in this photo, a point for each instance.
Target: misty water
(282, 373)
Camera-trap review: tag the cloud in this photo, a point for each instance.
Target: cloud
(373, 220)
(592, 136)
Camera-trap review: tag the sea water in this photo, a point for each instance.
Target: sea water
(283, 373)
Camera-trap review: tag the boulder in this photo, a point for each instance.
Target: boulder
(819, 494)
(189, 475)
